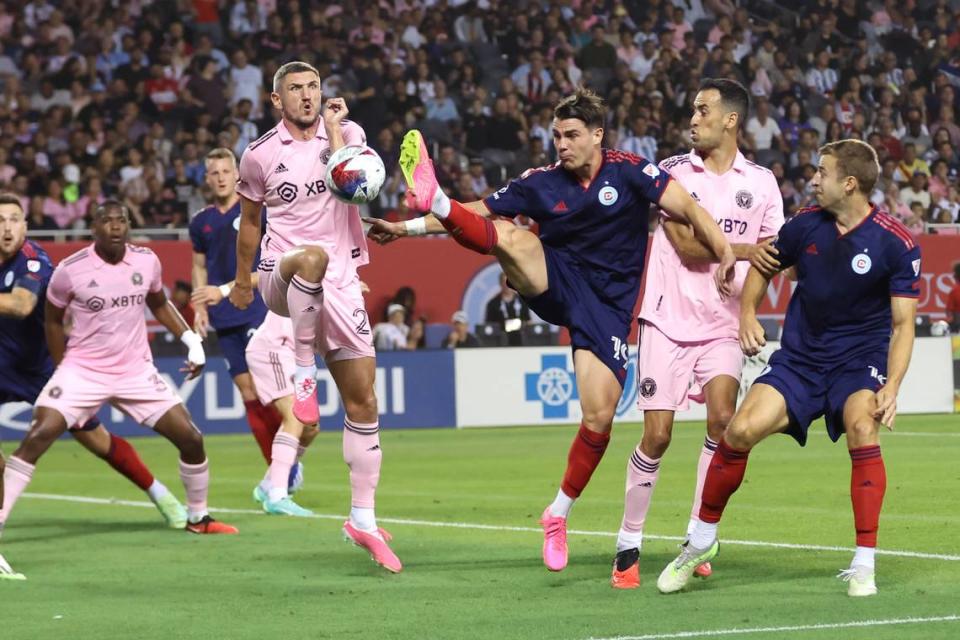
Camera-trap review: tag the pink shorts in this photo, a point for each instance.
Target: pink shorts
(270, 358)
(77, 394)
(671, 373)
(343, 329)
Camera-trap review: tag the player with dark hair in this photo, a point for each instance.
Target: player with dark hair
(688, 333)
(106, 289)
(583, 271)
(846, 346)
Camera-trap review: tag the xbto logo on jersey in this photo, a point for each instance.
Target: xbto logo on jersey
(288, 191)
(96, 303)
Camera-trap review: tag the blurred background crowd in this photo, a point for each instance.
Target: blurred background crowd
(124, 97)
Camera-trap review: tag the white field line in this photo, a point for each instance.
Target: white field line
(804, 627)
(495, 527)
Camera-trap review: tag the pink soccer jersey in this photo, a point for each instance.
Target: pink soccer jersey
(682, 301)
(107, 304)
(288, 176)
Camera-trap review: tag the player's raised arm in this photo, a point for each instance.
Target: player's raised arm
(248, 238)
(678, 202)
(761, 255)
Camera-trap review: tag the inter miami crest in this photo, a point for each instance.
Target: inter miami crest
(56, 392)
(744, 199)
(136, 278)
(325, 155)
(648, 387)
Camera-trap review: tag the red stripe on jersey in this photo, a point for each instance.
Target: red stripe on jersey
(528, 172)
(805, 210)
(28, 250)
(614, 155)
(895, 227)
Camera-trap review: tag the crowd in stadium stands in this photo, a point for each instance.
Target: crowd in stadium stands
(124, 97)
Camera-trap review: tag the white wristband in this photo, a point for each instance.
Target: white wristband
(225, 290)
(194, 345)
(416, 227)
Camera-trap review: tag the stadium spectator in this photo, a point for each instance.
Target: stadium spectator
(917, 191)
(508, 311)
(417, 338)
(460, 336)
(392, 334)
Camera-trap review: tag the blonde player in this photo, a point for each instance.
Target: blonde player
(688, 332)
(308, 272)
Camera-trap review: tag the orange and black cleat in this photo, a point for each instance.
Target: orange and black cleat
(626, 570)
(208, 525)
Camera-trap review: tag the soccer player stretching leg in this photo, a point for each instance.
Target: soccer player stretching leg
(845, 349)
(583, 271)
(106, 287)
(688, 333)
(311, 250)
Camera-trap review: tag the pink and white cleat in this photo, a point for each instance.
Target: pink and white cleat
(418, 172)
(376, 544)
(305, 407)
(704, 570)
(554, 540)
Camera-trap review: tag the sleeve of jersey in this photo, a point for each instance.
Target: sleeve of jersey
(648, 179)
(773, 214)
(511, 200)
(58, 291)
(196, 237)
(788, 242)
(156, 280)
(251, 184)
(353, 134)
(32, 276)
(905, 279)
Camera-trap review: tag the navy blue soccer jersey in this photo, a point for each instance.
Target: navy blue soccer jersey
(23, 345)
(841, 306)
(602, 227)
(214, 234)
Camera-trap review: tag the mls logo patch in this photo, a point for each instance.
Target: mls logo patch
(33, 266)
(861, 263)
(651, 170)
(608, 195)
(744, 199)
(8, 279)
(916, 267)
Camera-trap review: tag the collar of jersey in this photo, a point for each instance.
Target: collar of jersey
(285, 136)
(739, 162)
(99, 262)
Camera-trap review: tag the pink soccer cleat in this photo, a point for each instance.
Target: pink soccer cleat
(418, 172)
(376, 544)
(554, 541)
(305, 407)
(704, 570)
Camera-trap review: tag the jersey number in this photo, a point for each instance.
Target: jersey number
(362, 328)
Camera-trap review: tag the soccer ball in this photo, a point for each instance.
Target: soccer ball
(355, 174)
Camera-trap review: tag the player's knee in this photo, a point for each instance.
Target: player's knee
(38, 440)
(738, 433)
(362, 407)
(862, 431)
(717, 422)
(190, 443)
(599, 420)
(655, 442)
(312, 264)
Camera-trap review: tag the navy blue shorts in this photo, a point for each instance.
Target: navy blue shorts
(812, 391)
(233, 343)
(593, 324)
(26, 388)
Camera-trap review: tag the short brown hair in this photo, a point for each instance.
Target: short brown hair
(855, 158)
(221, 153)
(7, 197)
(297, 66)
(583, 105)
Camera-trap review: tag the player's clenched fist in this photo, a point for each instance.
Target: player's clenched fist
(241, 295)
(752, 337)
(334, 111)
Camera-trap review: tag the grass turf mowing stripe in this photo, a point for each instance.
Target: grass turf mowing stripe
(494, 527)
(803, 627)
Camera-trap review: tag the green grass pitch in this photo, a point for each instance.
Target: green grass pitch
(110, 570)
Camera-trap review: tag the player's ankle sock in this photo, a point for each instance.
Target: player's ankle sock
(361, 452)
(284, 454)
(723, 479)
(561, 505)
(123, 457)
(703, 534)
(257, 419)
(469, 229)
(363, 518)
(196, 482)
(305, 302)
(706, 456)
(157, 490)
(585, 454)
(629, 540)
(440, 207)
(642, 474)
(16, 477)
(868, 483)
(864, 557)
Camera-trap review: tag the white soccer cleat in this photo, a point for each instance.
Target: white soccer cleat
(7, 572)
(860, 581)
(676, 575)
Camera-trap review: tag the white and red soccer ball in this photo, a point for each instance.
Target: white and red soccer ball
(355, 174)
